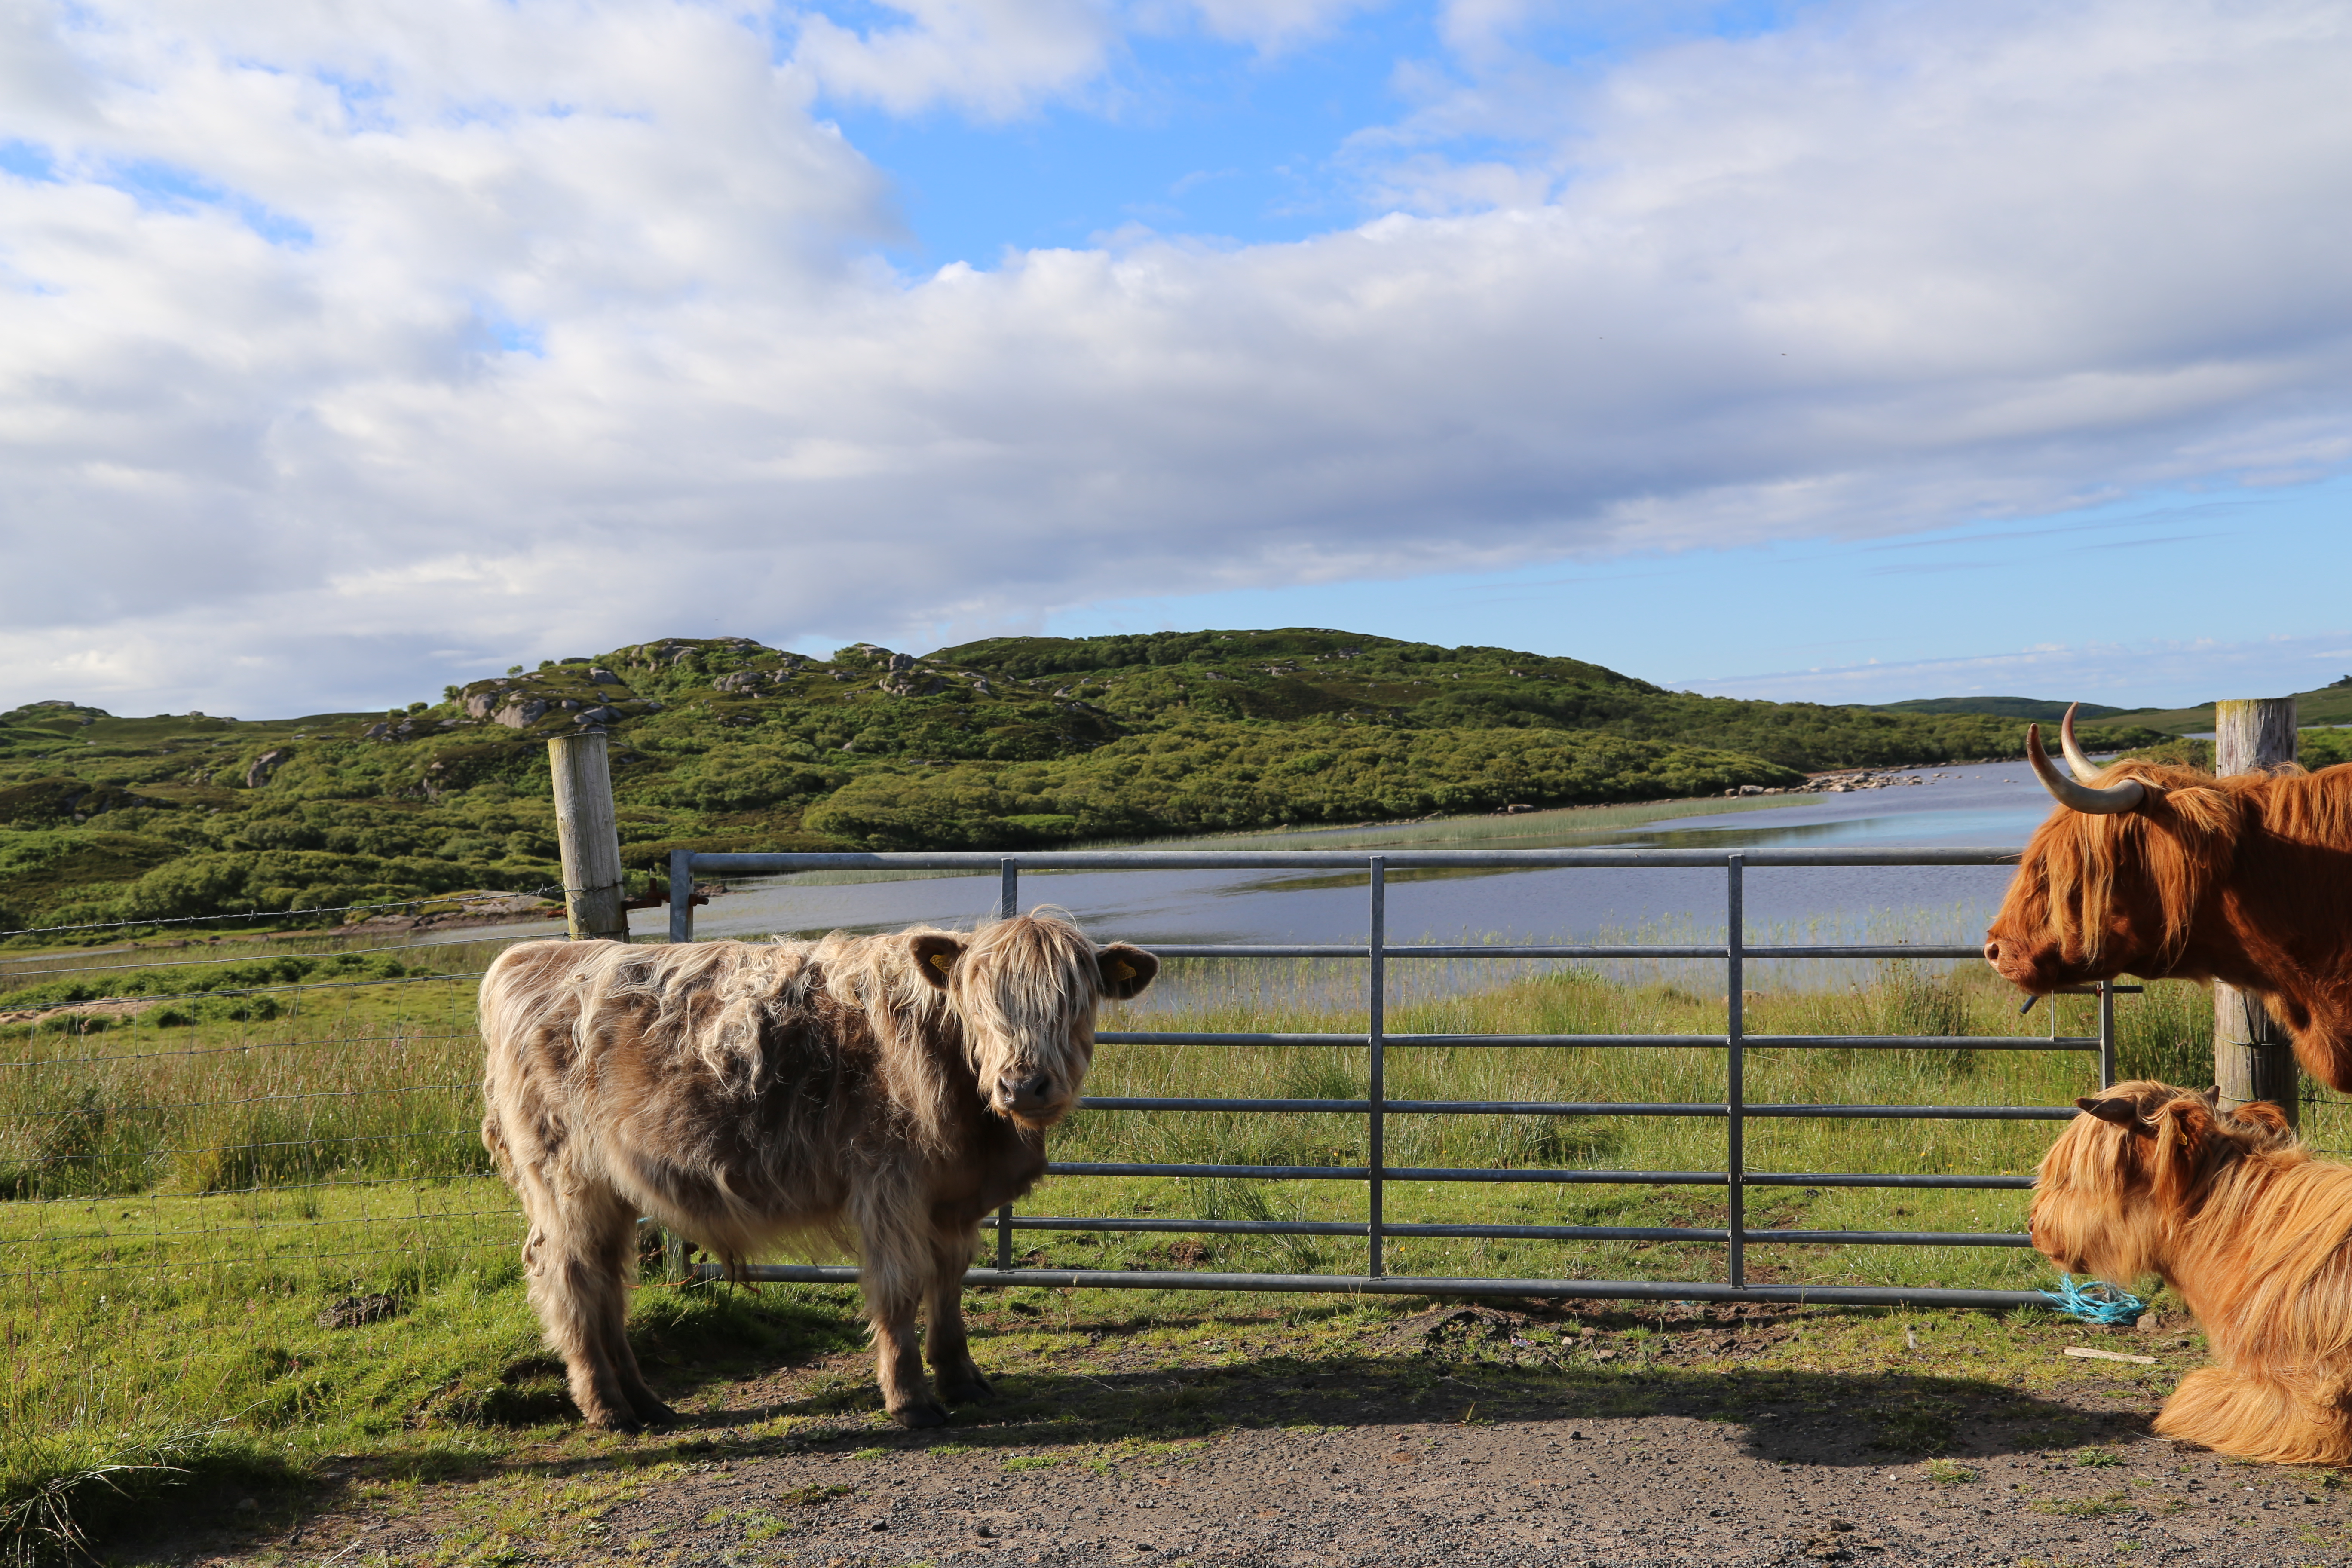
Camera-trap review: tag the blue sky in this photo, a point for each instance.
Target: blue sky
(2164, 599)
(1885, 349)
(1217, 139)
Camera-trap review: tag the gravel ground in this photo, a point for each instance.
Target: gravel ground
(1458, 1434)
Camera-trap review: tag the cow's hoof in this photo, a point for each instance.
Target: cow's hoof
(967, 1388)
(930, 1413)
(654, 1412)
(622, 1422)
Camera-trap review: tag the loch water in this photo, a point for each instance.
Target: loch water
(1987, 805)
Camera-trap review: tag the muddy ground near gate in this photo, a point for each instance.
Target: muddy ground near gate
(1239, 1435)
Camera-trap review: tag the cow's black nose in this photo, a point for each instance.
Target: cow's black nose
(1028, 1090)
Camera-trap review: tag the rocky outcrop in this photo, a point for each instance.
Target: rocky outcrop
(521, 713)
(602, 676)
(269, 763)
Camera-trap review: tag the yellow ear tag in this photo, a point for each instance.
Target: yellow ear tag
(942, 962)
(1122, 970)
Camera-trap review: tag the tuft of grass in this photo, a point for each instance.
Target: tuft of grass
(1032, 1461)
(2088, 1507)
(1950, 1473)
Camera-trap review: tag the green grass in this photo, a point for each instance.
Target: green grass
(187, 1196)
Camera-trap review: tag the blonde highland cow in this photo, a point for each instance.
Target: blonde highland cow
(2256, 1235)
(887, 1091)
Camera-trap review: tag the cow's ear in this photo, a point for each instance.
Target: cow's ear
(936, 955)
(2263, 1114)
(2184, 1131)
(2122, 1112)
(1125, 969)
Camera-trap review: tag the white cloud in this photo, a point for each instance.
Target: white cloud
(2182, 672)
(1275, 23)
(994, 59)
(339, 333)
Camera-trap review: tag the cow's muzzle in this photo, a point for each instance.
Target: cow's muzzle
(1029, 1097)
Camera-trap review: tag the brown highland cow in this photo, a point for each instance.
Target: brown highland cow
(884, 1091)
(2174, 874)
(2233, 1213)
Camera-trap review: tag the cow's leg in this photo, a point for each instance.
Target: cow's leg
(945, 1340)
(2249, 1410)
(618, 1257)
(895, 1268)
(578, 1291)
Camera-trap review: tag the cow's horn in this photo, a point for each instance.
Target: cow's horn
(2125, 797)
(2083, 765)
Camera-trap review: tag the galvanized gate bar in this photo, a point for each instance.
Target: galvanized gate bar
(1376, 1016)
(1008, 904)
(2106, 1032)
(1547, 1178)
(1584, 1108)
(1623, 1042)
(1735, 933)
(768, 865)
(1517, 1232)
(1414, 1285)
(1552, 949)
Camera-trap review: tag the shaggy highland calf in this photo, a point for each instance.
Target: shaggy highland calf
(2171, 873)
(2256, 1235)
(888, 1090)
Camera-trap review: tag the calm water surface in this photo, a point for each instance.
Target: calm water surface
(1996, 805)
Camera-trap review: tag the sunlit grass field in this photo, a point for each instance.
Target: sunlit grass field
(342, 1132)
(186, 1187)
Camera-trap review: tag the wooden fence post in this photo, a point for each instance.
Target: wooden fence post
(585, 829)
(2253, 1059)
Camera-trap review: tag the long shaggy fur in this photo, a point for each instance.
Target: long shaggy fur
(884, 1091)
(2234, 1213)
(2246, 880)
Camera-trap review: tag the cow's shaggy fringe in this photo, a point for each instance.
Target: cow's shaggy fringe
(885, 1091)
(2246, 880)
(2233, 1213)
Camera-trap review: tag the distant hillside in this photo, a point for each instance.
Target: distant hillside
(723, 743)
(2026, 708)
(2330, 704)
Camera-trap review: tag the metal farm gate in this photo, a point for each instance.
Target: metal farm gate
(1734, 1110)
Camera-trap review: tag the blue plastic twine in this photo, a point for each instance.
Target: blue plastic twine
(2095, 1302)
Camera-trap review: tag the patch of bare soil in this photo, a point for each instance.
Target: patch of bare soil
(1461, 1435)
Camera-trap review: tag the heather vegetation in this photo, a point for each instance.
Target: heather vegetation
(723, 743)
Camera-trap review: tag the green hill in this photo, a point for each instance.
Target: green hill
(2330, 704)
(723, 743)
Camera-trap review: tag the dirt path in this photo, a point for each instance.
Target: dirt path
(1461, 1436)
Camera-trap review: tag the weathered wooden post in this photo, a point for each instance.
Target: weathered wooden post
(585, 830)
(2252, 1057)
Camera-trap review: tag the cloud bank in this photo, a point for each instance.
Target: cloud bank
(346, 348)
